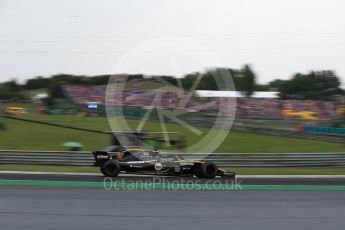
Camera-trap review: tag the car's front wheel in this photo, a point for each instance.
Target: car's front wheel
(110, 168)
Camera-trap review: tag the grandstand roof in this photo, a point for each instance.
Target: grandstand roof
(258, 94)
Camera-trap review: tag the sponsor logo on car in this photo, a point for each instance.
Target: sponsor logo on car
(158, 166)
(102, 157)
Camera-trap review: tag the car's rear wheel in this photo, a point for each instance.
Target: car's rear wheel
(110, 168)
(207, 170)
(102, 170)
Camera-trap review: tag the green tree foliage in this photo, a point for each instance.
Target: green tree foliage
(189, 80)
(168, 79)
(276, 84)
(12, 86)
(56, 91)
(245, 80)
(49, 101)
(37, 83)
(206, 81)
(248, 81)
(69, 79)
(11, 90)
(4, 93)
(323, 85)
(262, 87)
(135, 77)
(99, 80)
(212, 79)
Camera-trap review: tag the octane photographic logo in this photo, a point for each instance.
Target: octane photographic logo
(162, 183)
(152, 99)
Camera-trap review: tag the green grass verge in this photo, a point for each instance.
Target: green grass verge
(22, 135)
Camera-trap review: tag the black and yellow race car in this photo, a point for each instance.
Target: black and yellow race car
(152, 162)
(130, 153)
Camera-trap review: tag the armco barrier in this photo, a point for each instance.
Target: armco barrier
(326, 130)
(291, 133)
(227, 160)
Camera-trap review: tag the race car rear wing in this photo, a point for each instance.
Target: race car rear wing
(100, 157)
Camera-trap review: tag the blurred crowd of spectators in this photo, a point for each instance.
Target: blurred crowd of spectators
(83, 94)
(246, 107)
(130, 98)
(271, 108)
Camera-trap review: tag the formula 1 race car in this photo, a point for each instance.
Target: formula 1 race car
(152, 162)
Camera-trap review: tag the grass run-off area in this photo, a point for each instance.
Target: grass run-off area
(28, 136)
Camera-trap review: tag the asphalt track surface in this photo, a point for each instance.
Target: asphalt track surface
(39, 207)
(56, 209)
(137, 178)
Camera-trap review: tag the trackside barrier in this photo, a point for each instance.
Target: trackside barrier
(327, 130)
(227, 160)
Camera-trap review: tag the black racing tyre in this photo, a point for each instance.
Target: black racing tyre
(207, 170)
(110, 168)
(102, 170)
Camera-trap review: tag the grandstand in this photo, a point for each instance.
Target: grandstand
(268, 107)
